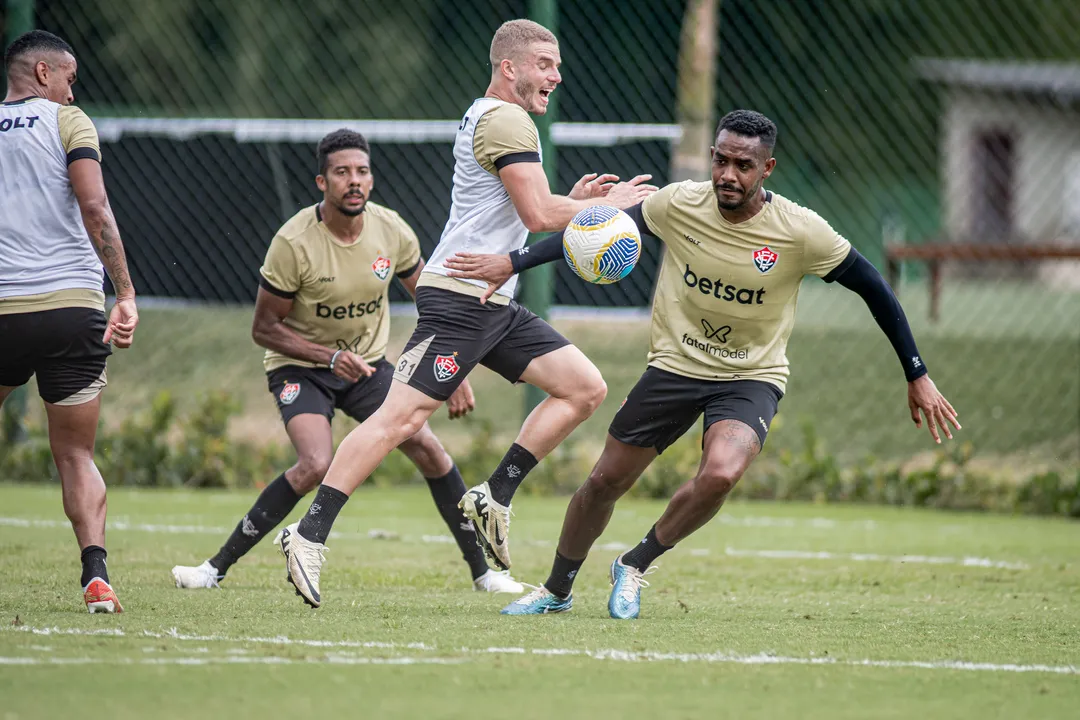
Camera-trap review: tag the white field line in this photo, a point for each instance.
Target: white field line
(234, 660)
(604, 654)
(380, 534)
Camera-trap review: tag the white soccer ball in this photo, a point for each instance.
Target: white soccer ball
(601, 245)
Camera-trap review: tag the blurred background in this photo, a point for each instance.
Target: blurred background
(942, 139)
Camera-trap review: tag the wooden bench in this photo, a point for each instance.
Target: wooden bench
(933, 254)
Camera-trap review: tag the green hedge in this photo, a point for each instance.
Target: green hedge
(158, 448)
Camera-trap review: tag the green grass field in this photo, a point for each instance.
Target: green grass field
(1007, 356)
(772, 611)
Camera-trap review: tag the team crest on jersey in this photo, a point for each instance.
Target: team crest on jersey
(446, 367)
(381, 267)
(289, 393)
(765, 259)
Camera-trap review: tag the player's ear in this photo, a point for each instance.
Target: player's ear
(769, 165)
(320, 182)
(507, 67)
(41, 72)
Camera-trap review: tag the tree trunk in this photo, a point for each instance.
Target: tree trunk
(696, 90)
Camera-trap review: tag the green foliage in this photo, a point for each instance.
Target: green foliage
(158, 448)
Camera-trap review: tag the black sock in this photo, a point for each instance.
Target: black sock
(317, 521)
(93, 564)
(446, 491)
(515, 465)
(272, 506)
(642, 555)
(563, 572)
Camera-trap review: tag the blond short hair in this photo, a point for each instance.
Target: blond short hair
(514, 36)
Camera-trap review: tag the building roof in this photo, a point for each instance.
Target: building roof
(1058, 79)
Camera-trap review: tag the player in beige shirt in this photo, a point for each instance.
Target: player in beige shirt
(56, 231)
(724, 308)
(323, 315)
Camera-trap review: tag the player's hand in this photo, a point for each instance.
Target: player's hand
(629, 194)
(462, 402)
(593, 186)
(923, 395)
(495, 270)
(122, 321)
(351, 366)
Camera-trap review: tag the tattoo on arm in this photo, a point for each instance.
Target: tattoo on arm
(106, 239)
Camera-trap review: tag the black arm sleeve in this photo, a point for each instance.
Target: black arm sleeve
(550, 248)
(860, 276)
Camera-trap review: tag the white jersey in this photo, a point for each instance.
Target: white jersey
(46, 258)
(483, 219)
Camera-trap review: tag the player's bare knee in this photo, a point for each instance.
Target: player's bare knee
(591, 394)
(714, 482)
(310, 471)
(607, 485)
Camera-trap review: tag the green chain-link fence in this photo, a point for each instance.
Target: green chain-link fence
(903, 122)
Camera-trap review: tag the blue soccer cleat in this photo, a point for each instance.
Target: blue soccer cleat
(626, 584)
(540, 601)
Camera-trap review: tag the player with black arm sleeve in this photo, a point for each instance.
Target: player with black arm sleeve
(722, 314)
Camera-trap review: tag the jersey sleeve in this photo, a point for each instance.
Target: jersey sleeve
(408, 250)
(505, 135)
(656, 208)
(825, 248)
(78, 134)
(281, 269)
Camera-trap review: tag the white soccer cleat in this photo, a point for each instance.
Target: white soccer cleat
(203, 576)
(304, 560)
(497, 581)
(491, 521)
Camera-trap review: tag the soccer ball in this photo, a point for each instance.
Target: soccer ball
(601, 245)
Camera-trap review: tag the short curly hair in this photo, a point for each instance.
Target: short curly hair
(342, 139)
(749, 123)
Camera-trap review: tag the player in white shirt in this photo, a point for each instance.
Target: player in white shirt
(500, 195)
(56, 230)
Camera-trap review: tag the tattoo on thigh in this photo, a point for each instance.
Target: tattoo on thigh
(741, 435)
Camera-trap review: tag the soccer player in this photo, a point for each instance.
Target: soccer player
(723, 311)
(323, 317)
(56, 230)
(500, 194)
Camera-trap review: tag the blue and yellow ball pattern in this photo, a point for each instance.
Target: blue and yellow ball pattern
(601, 245)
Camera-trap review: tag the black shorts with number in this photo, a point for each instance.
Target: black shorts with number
(63, 347)
(663, 406)
(318, 391)
(455, 333)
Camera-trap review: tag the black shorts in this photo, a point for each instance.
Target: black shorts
(62, 347)
(455, 333)
(317, 391)
(663, 406)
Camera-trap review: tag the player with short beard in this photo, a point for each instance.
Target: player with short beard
(323, 317)
(735, 257)
(500, 194)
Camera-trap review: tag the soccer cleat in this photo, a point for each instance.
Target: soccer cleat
(304, 560)
(203, 576)
(100, 598)
(497, 581)
(491, 521)
(540, 601)
(626, 584)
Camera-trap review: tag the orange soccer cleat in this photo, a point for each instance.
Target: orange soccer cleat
(99, 597)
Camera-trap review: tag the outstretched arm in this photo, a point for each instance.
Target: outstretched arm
(857, 274)
(497, 269)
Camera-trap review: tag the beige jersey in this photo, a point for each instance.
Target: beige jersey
(46, 258)
(726, 294)
(338, 290)
(483, 219)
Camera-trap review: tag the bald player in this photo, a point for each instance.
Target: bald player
(500, 194)
(56, 230)
(723, 311)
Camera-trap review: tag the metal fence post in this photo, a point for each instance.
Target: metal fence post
(537, 284)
